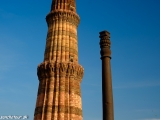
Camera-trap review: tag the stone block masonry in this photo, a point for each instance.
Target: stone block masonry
(60, 75)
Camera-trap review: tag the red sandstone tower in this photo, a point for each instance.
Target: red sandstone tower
(60, 75)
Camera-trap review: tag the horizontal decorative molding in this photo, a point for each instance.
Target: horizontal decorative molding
(75, 90)
(56, 33)
(58, 109)
(58, 48)
(52, 69)
(67, 16)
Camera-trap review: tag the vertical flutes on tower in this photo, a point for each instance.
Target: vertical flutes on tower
(60, 75)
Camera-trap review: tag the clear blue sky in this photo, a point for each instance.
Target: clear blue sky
(135, 35)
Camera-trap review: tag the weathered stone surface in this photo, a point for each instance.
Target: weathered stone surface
(60, 75)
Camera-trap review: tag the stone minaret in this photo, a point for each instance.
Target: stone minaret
(60, 75)
(107, 96)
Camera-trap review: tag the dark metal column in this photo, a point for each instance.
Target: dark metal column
(107, 96)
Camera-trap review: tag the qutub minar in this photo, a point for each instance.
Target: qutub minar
(60, 75)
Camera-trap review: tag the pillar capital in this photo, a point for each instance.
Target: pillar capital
(105, 44)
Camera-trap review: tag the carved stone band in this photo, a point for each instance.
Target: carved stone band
(55, 33)
(50, 69)
(75, 90)
(61, 48)
(58, 109)
(63, 15)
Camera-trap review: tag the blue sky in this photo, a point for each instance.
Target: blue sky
(135, 35)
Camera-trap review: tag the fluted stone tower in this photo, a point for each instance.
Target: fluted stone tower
(60, 75)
